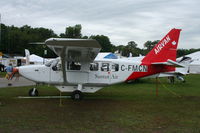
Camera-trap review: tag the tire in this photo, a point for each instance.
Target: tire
(77, 95)
(33, 92)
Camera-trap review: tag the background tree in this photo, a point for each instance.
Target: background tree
(132, 44)
(149, 44)
(73, 31)
(105, 43)
(182, 52)
(15, 39)
(131, 47)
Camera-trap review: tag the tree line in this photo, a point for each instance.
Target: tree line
(15, 39)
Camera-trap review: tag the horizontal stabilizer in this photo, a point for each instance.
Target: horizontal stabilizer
(170, 63)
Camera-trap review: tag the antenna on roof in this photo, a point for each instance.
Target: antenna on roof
(37, 43)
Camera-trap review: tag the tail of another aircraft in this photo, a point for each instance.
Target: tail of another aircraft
(27, 55)
(165, 49)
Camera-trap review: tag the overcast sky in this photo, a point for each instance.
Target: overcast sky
(121, 20)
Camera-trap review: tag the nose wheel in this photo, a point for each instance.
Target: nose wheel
(33, 92)
(77, 95)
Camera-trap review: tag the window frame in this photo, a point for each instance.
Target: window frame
(104, 69)
(95, 68)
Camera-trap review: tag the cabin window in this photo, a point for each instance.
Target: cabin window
(71, 65)
(94, 66)
(115, 67)
(105, 67)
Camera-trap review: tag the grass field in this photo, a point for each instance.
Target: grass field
(2, 74)
(121, 108)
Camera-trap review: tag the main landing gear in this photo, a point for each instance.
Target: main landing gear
(33, 92)
(77, 95)
(172, 79)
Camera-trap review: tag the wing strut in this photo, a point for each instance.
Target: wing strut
(63, 55)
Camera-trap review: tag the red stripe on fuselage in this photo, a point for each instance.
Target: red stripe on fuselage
(152, 69)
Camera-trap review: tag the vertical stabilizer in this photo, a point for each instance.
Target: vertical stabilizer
(27, 55)
(165, 49)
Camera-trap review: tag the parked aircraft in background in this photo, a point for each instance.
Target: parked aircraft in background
(194, 62)
(77, 69)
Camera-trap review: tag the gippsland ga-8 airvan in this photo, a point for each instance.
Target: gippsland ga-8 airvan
(78, 69)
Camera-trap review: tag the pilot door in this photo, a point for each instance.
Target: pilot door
(56, 75)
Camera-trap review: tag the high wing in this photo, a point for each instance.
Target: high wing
(76, 50)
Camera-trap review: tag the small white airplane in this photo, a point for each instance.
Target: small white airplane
(76, 70)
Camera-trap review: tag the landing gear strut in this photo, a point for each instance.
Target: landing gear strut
(33, 92)
(181, 79)
(77, 95)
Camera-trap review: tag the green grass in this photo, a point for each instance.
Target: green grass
(2, 74)
(121, 108)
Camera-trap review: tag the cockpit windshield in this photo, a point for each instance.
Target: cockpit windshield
(52, 62)
(48, 63)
